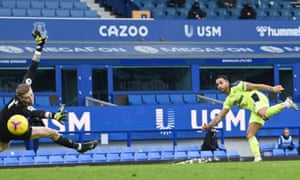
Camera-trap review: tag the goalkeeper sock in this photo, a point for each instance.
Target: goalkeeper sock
(271, 111)
(66, 142)
(254, 146)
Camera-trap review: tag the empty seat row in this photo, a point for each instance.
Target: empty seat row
(151, 99)
(270, 149)
(40, 101)
(48, 13)
(43, 4)
(97, 156)
(232, 13)
(154, 99)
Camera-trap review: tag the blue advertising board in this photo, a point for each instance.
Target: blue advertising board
(96, 30)
(164, 119)
(228, 53)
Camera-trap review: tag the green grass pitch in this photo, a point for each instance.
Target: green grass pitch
(219, 170)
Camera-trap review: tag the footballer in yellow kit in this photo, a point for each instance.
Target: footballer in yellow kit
(247, 96)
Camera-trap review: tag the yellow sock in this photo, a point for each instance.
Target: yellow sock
(254, 146)
(271, 111)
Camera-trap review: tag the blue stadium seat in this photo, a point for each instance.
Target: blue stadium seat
(275, 6)
(66, 5)
(34, 12)
(19, 12)
(158, 13)
(273, 13)
(176, 98)
(147, 5)
(85, 158)
(263, 6)
(113, 157)
(80, 5)
(8, 4)
(154, 149)
(182, 12)
(261, 13)
(99, 158)
(278, 152)
(26, 160)
(210, 5)
(38, 160)
(62, 13)
(12, 153)
(194, 148)
(167, 148)
(181, 148)
(193, 154)
(285, 13)
(70, 159)
(293, 152)
(232, 154)
(163, 99)
(154, 156)
(222, 12)
(11, 161)
(135, 99)
(43, 152)
(220, 154)
(189, 98)
(23, 4)
(180, 155)
(58, 152)
(296, 12)
(266, 149)
(48, 13)
(56, 160)
(140, 156)
(98, 151)
(5, 12)
(165, 155)
(28, 153)
(126, 156)
(206, 154)
(286, 5)
(90, 13)
(76, 13)
(71, 152)
(52, 4)
(42, 101)
(234, 12)
(171, 12)
(211, 14)
(149, 99)
(37, 4)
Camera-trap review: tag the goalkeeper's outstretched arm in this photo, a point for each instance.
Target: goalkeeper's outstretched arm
(40, 41)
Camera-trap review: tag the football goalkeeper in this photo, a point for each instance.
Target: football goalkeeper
(22, 103)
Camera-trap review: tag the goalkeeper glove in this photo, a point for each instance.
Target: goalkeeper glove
(60, 115)
(40, 41)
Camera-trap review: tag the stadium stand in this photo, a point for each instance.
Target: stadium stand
(160, 9)
(59, 8)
